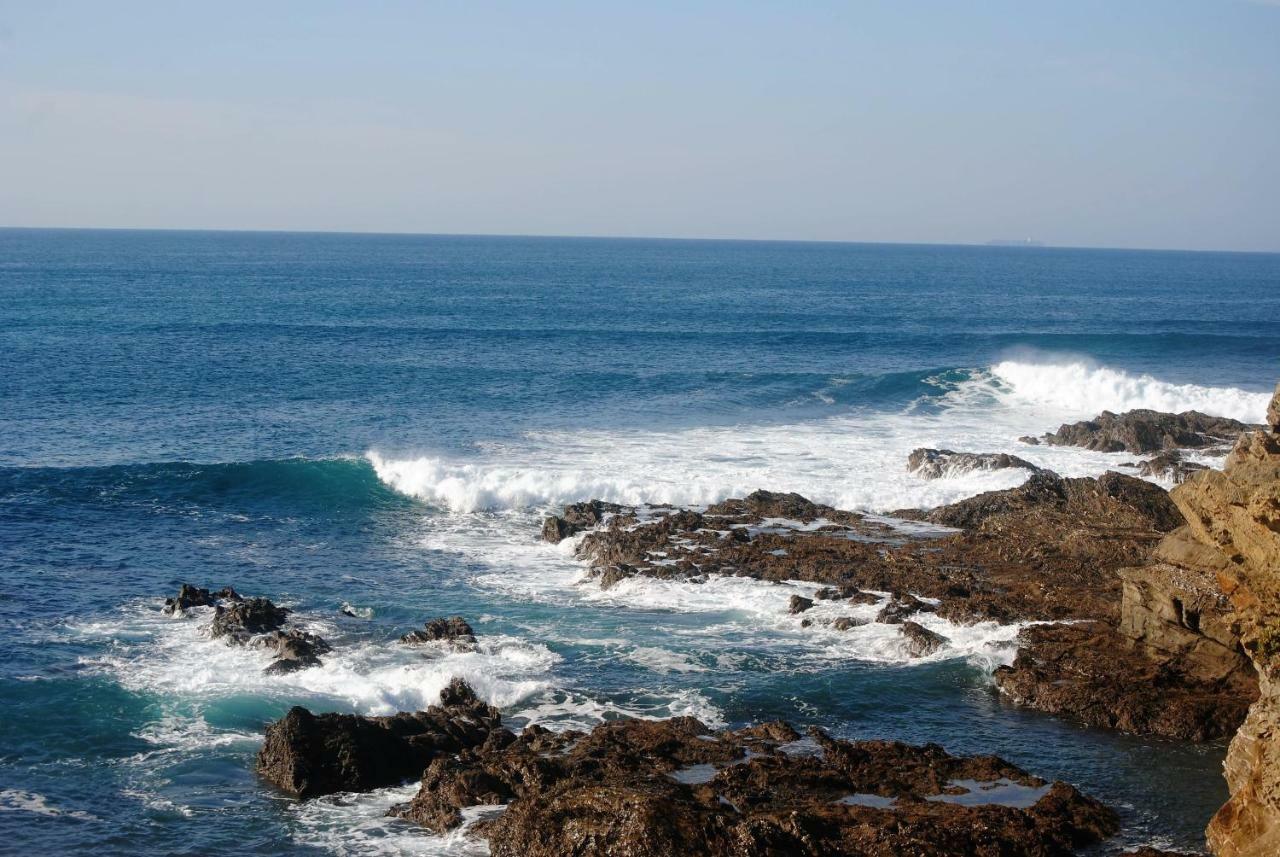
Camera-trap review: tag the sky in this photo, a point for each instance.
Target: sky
(1125, 123)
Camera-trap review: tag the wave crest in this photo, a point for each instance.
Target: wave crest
(1081, 386)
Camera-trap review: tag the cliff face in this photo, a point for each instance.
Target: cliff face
(1234, 531)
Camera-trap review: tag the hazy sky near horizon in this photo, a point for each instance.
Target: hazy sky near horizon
(1118, 123)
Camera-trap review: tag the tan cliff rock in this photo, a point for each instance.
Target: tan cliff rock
(1234, 530)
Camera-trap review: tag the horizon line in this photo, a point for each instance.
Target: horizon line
(994, 244)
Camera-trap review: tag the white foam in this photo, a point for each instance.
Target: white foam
(853, 461)
(17, 800)
(175, 658)
(1083, 386)
(357, 824)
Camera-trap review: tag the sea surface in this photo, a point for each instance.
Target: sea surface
(380, 423)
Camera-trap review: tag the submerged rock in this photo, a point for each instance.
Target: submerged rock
(1169, 465)
(309, 754)
(196, 596)
(900, 606)
(1147, 431)
(921, 642)
(939, 463)
(452, 631)
(799, 604)
(256, 622)
(294, 650)
(651, 788)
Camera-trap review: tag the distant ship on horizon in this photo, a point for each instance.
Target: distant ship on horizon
(1014, 242)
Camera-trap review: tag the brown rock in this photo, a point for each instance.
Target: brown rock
(921, 641)
(799, 604)
(1090, 672)
(938, 463)
(1147, 431)
(649, 788)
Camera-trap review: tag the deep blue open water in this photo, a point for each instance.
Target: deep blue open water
(381, 421)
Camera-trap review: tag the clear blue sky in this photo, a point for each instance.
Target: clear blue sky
(1140, 124)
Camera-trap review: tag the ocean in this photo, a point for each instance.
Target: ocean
(379, 423)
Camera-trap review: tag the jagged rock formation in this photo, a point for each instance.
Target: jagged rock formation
(1234, 518)
(1047, 549)
(453, 632)
(255, 622)
(309, 754)
(1145, 431)
(1169, 664)
(939, 463)
(656, 788)
(576, 518)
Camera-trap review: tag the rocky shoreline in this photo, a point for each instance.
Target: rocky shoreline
(1147, 611)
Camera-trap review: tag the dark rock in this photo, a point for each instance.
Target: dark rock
(615, 574)
(799, 604)
(921, 641)
(844, 623)
(452, 631)
(241, 619)
(621, 791)
(1113, 496)
(309, 754)
(196, 596)
(1169, 465)
(845, 593)
(938, 463)
(294, 650)
(1029, 440)
(1273, 410)
(576, 518)
(900, 606)
(1148, 431)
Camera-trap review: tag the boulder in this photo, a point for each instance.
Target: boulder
(308, 754)
(939, 463)
(242, 618)
(196, 596)
(1169, 465)
(900, 606)
(453, 632)
(294, 650)
(799, 604)
(921, 642)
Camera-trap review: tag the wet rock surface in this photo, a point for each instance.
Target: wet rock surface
(577, 517)
(255, 622)
(308, 754)
(1092, 673)
(1144, 431)
(1047, 549)
(639, 788)
(452, 632)
(1170, 466)
(940, 463)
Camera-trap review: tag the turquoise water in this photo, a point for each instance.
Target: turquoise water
(381, 421)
